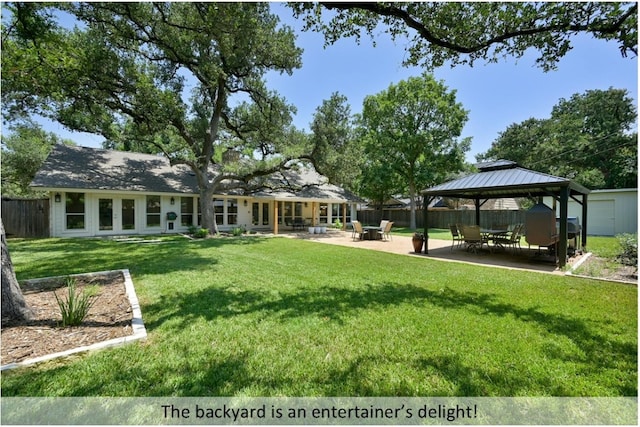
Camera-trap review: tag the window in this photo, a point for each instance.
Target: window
(324, 213)
(265, 214)
(255, 213)
(285, 213)
(199, 212)
(232, 211)
(337, 211)
(259, 216)
(74, 211)
(218, 209)
(298, 209)
(153, 211)
(186, 211)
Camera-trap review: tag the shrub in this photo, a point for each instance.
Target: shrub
(201, 233)
(337, 224)
(628, 248)
(239, 231)
(77, 305)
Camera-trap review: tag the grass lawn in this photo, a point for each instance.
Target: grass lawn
(281, 317)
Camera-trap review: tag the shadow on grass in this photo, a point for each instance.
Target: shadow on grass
(597, 350)
(58, 257)
(130, 373)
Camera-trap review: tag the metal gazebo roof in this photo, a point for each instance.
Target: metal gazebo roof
(504, 178)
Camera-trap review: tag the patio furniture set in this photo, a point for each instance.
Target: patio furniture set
(297, 223)
(381, 232)
(474, 238)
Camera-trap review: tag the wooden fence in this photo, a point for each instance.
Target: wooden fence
(25, 217)
(441, 218)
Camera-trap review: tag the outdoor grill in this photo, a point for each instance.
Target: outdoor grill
(573, 233)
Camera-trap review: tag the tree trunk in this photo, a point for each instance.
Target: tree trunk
(412, 206)
(13, 305)
(206, 207)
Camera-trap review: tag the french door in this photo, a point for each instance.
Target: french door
(116, 215)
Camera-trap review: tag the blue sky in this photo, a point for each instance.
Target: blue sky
(496, 95)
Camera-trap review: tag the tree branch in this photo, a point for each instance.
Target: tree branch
(424, 32)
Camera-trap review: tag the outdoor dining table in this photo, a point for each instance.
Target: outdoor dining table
(492, 233)
(372, 233)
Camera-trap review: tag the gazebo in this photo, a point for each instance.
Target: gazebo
(504, 178)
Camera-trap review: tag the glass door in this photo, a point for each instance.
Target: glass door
(128, 214)
(116, 215)
(105, 214)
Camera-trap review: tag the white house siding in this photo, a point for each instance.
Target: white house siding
(609, 212)
(244, 214)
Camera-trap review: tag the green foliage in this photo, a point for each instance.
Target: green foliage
(24, 149)
(76, 306)
(337, 153)
(628, 254)
(201, 233)
(337, 224)
(437, 33)
(239, 231)
(121, 73)
(410, 132)
(587, 138)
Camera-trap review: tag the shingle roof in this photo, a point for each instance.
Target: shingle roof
(83, 168)
(504, 179)
(94, 169)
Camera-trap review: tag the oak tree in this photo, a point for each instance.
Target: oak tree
(411, 129)
(589, 138)
(435, 33)
(125, 70)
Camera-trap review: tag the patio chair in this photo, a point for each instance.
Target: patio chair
(385, 231)
(381, 227)
(357, 230)
(353, 229)
(473, 238)
(513, 240)
(456, 235)
(519, 229)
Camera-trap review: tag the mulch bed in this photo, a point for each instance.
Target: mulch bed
(601, 268)
(109, 317)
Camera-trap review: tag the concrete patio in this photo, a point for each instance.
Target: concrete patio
(525, 259)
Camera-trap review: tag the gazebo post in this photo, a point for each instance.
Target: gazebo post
(477, 203)
(564, 213)
(425, 206)
(584, 222)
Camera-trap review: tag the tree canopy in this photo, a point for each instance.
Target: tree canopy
(436, 33)
(587, 138)
(337, 152)
(124, 73)
(411, 133)
(24, 149)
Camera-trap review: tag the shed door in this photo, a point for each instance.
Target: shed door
(601, 217)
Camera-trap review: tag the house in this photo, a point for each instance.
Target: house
(96, 192)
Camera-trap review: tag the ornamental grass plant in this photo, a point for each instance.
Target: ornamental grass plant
(77, 304)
